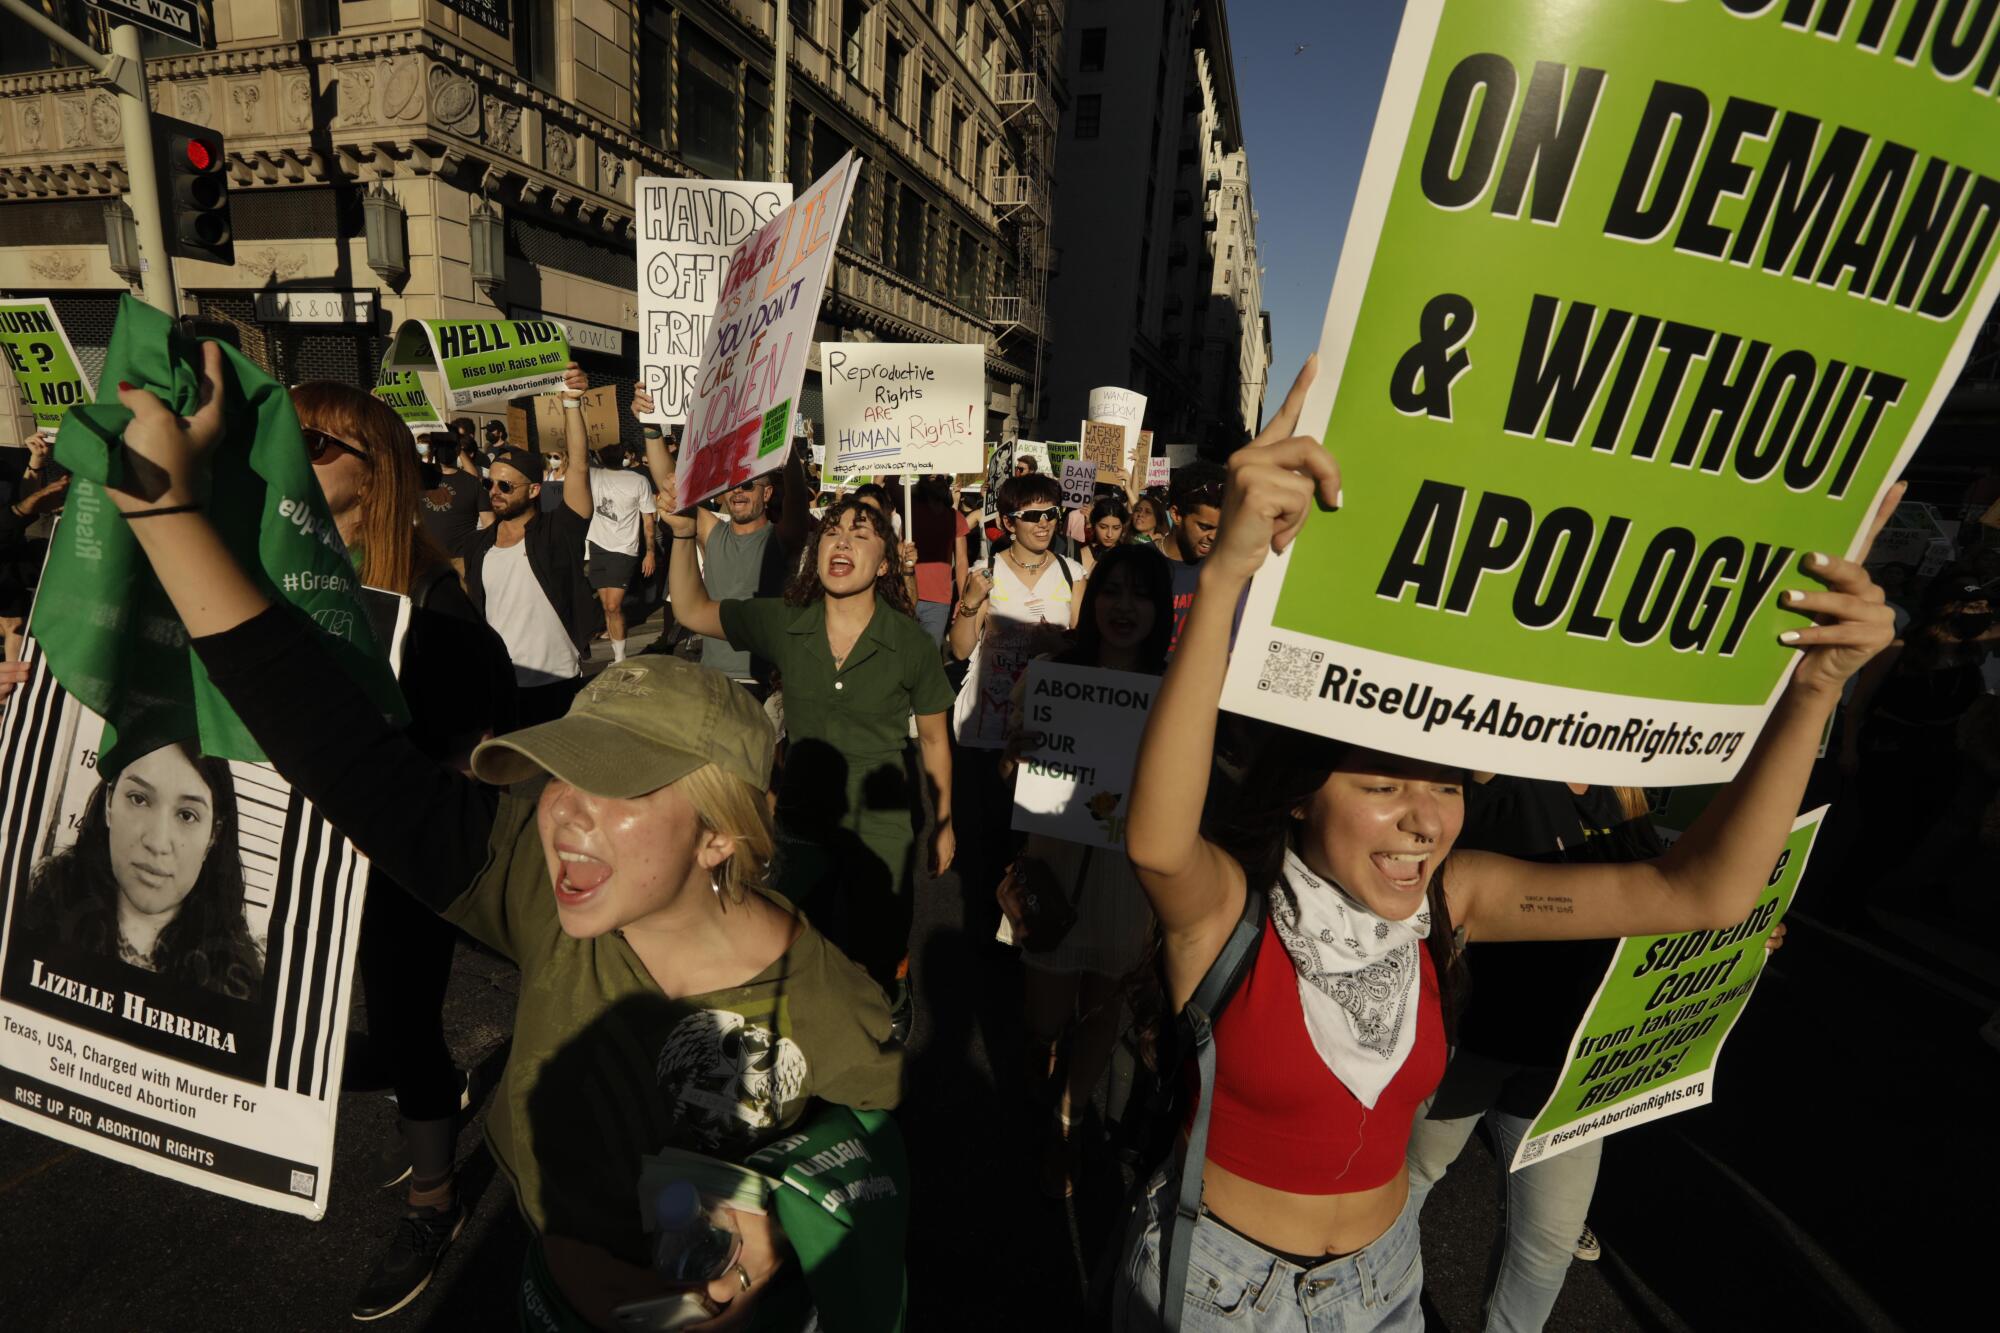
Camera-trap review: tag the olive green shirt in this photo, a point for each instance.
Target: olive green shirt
(863, 709)
(606, 1068)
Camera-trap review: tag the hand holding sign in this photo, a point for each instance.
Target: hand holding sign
(1271, 486)
(1853, 615)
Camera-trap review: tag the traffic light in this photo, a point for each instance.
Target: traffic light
(194, 189)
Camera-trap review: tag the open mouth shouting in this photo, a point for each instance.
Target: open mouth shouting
(1403, 872)
(579, 877)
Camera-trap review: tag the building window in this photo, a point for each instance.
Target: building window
(756, 127)
(1092, 51)
(23, 50)
(656, 63)
(853, 51)
(707, 104)
(798, 152)
(958, 140)
(965, 281)
(909, 234)
(535, 44)
(1089, 115)
(927, 97)
(892, 77)
(804, 12)
(318, 18)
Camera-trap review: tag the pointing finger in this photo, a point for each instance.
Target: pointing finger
(1285, 423)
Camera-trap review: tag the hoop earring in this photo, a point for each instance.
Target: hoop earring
(715, 878)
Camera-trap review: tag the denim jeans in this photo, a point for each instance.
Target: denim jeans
(1233, 1283)
(1546, 1206)
(935, 617)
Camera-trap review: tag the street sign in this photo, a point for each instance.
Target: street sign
(176, 18)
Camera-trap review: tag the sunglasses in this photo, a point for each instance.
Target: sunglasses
(504, 487)
(1035, 515)
(318, 442)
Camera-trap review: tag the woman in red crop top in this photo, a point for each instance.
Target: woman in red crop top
(1335, 1036)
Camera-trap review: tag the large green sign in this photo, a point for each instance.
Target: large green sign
(1642, 302)
(477, 360)
(41, 360)
(1647, 1045)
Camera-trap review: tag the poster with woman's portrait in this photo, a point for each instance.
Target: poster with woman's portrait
(176, 950)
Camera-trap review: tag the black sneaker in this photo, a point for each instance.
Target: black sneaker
(391, 1165)
(902, 1012)
(401, 1274)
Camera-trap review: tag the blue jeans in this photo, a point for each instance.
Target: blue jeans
(1546, 1206)
(935, 617)
(1234, 1283)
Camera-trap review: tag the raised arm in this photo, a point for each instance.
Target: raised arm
(1195, 887)
(795, 513)
(693, 607)
(661, 463)
(576, 444)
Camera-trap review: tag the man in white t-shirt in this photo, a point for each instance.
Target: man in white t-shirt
(621, 537)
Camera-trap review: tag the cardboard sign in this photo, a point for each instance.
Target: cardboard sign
(1648, 1044)
(39, 357)
(478, 360)
(226, 1078)
(1639, 306)
(517, 423)
(904, 408)
(1079, 483)
(1104, 444)
(600, 420)
(688, 229)
(1075, 781)
(754, 358)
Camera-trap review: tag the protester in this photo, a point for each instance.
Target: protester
(1109, 523)
(24, 503)
(1312, 1103)
(749, 554)
(1149, 520)
(526, 574)
(1017, 607)
(496, 436)
(554, 468)
(457, 506)
(1194, 500)
(620, 539)
(856, 668)
(622, 870)
(938, 533)
(1072, 992)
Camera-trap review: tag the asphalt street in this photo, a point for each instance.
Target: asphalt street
(1852, 1131)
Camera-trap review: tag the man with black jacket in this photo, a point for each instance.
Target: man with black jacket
(525, 573)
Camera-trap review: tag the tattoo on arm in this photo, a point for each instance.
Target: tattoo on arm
(1547, 904)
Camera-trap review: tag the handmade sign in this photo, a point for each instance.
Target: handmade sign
(1159, 472)
(478, 360)
(904, 408)
(1079, 483)
(1648, 1044)
(1035, 452)
(600, 420)
(1083, 726)
(39, 356)
(688, 229)
(754, 357)
(1104, 445)
(216, 1061)
(1639, 305)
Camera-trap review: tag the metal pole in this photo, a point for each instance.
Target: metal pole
(142, 195)
(781, 50)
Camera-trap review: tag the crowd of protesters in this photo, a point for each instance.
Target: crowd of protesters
(724, 834)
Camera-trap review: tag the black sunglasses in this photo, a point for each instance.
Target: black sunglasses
(504, 487)
(1035, 515)
(318, 442)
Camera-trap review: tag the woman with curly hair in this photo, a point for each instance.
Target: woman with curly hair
(154, 877)
(856, 667)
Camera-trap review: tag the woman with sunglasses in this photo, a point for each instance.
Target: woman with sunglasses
(455, 679)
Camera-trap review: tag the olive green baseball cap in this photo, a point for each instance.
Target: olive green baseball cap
(637, 726)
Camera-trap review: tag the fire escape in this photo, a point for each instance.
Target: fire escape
(1027, 102)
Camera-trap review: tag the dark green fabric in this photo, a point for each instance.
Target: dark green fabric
(111, 636)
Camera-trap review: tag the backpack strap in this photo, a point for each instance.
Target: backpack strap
(1197, 1022)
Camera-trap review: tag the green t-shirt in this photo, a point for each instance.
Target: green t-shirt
(863, 709)
(606, 1068)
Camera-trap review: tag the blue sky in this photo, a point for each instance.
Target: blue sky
(1306, 119)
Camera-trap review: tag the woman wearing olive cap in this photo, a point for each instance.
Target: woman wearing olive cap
(667, 997)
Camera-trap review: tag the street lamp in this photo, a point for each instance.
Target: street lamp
(386, 227)
(489, 250)
(121, 238)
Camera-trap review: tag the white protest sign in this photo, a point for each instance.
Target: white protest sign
(1159, 471)
(1035, 452)
(218, 1062)
(904, 408)
(754, 359)
(687, 231)
(1079, 483)
(1075, 783)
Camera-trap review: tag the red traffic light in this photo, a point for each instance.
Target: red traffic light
(199, 155)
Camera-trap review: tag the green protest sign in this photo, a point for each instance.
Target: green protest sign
(1641, 302)
(41, 360)
(477, 360)
(110, 634)
(404, 390)
(1648, 1043)
(1059, 452)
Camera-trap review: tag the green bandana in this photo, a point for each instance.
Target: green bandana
(111, 636)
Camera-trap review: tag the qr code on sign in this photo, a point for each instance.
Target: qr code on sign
(303, 1182)
(1532, 1149)
(1290, 671)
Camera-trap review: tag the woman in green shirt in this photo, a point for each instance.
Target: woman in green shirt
(855, 667)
